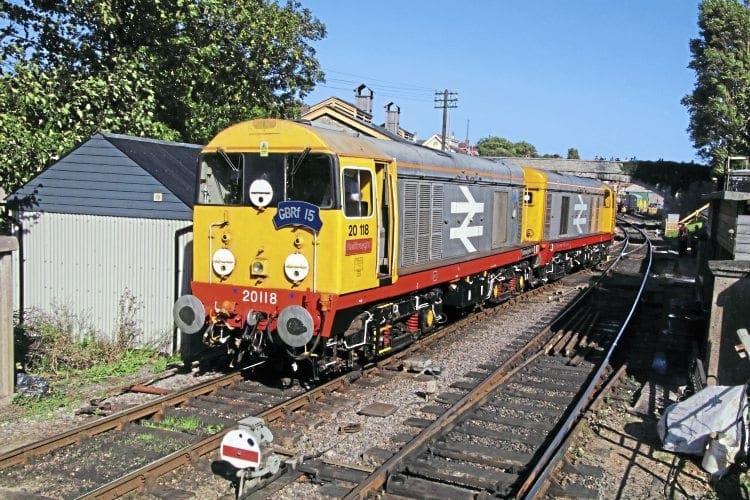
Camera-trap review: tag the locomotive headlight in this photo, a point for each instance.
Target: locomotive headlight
(296, 267)
(258, 268)
(223, 262)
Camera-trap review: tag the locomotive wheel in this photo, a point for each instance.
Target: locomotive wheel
(521, 283)
(426, 320)
(496, 291)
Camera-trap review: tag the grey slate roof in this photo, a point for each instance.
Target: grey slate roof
(173, 164)
(117, 175)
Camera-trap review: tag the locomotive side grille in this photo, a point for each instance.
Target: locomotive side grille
(422, 224)
(424, 230)
(409, 225)
(436, 231)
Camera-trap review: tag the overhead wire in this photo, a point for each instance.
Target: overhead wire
(340, 81)
(385, 82)
(379, 86)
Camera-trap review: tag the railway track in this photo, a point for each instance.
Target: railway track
(157, 437)
(503, 433)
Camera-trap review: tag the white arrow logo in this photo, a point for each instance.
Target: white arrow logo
(470, 207)
(580, 218)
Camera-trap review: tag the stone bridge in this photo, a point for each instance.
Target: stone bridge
(604, 170)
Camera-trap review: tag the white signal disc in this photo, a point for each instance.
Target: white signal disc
(241, 449)
(260, 193)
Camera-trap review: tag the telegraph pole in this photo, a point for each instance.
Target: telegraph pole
(446, 100)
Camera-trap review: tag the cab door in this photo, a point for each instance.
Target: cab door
(387, 221)
(361, 214)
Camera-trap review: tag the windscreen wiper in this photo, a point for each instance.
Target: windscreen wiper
(226, 159)
(298, 163)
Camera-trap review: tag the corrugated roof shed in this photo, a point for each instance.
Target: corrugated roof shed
(117, 175)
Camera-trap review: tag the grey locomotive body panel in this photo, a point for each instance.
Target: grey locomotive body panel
(453, 207)
(572, 207)
(449, 222)
(422, 162)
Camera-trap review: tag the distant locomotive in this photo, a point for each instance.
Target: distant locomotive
(315, 245)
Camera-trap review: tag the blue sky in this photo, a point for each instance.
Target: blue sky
(605, 77)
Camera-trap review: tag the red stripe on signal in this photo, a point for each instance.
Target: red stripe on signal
(242, 454)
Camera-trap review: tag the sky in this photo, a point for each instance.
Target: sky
(603, 76)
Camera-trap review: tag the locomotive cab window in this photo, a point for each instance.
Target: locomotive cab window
(357, 192)
(528, 198)
(263, 181)
(220, 179)
(309, 178)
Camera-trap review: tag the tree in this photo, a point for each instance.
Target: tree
(524, 149)
(495, 146)
(719, 105)
(172, 69)
(573, 154)
(500, 146)
(45, 113)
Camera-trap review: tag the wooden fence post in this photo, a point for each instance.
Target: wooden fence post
(8, 245)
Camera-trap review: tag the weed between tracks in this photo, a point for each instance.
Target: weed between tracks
(182, 424)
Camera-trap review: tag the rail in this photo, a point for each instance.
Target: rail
(546, 463)
(378, 478)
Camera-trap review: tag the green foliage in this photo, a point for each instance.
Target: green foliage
(525, 149)
(500, 146)
(129, 362)
(42, 407)
(61, 343)
(678, 176)
(46, 112)
(161, 362)
(172, 69)
(65, 349)
(744, 481)
(719, 105)
(688, 182)
(183, 424)
(213, 429)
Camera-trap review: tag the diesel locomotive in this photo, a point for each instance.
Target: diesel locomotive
(318, 246)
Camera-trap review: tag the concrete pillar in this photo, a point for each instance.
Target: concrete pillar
(729, 307)
(8, 245)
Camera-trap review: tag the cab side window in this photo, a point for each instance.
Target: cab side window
(357, 192)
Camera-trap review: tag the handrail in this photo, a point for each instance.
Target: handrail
(695, 214)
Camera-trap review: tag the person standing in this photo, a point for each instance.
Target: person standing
(683, 235)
